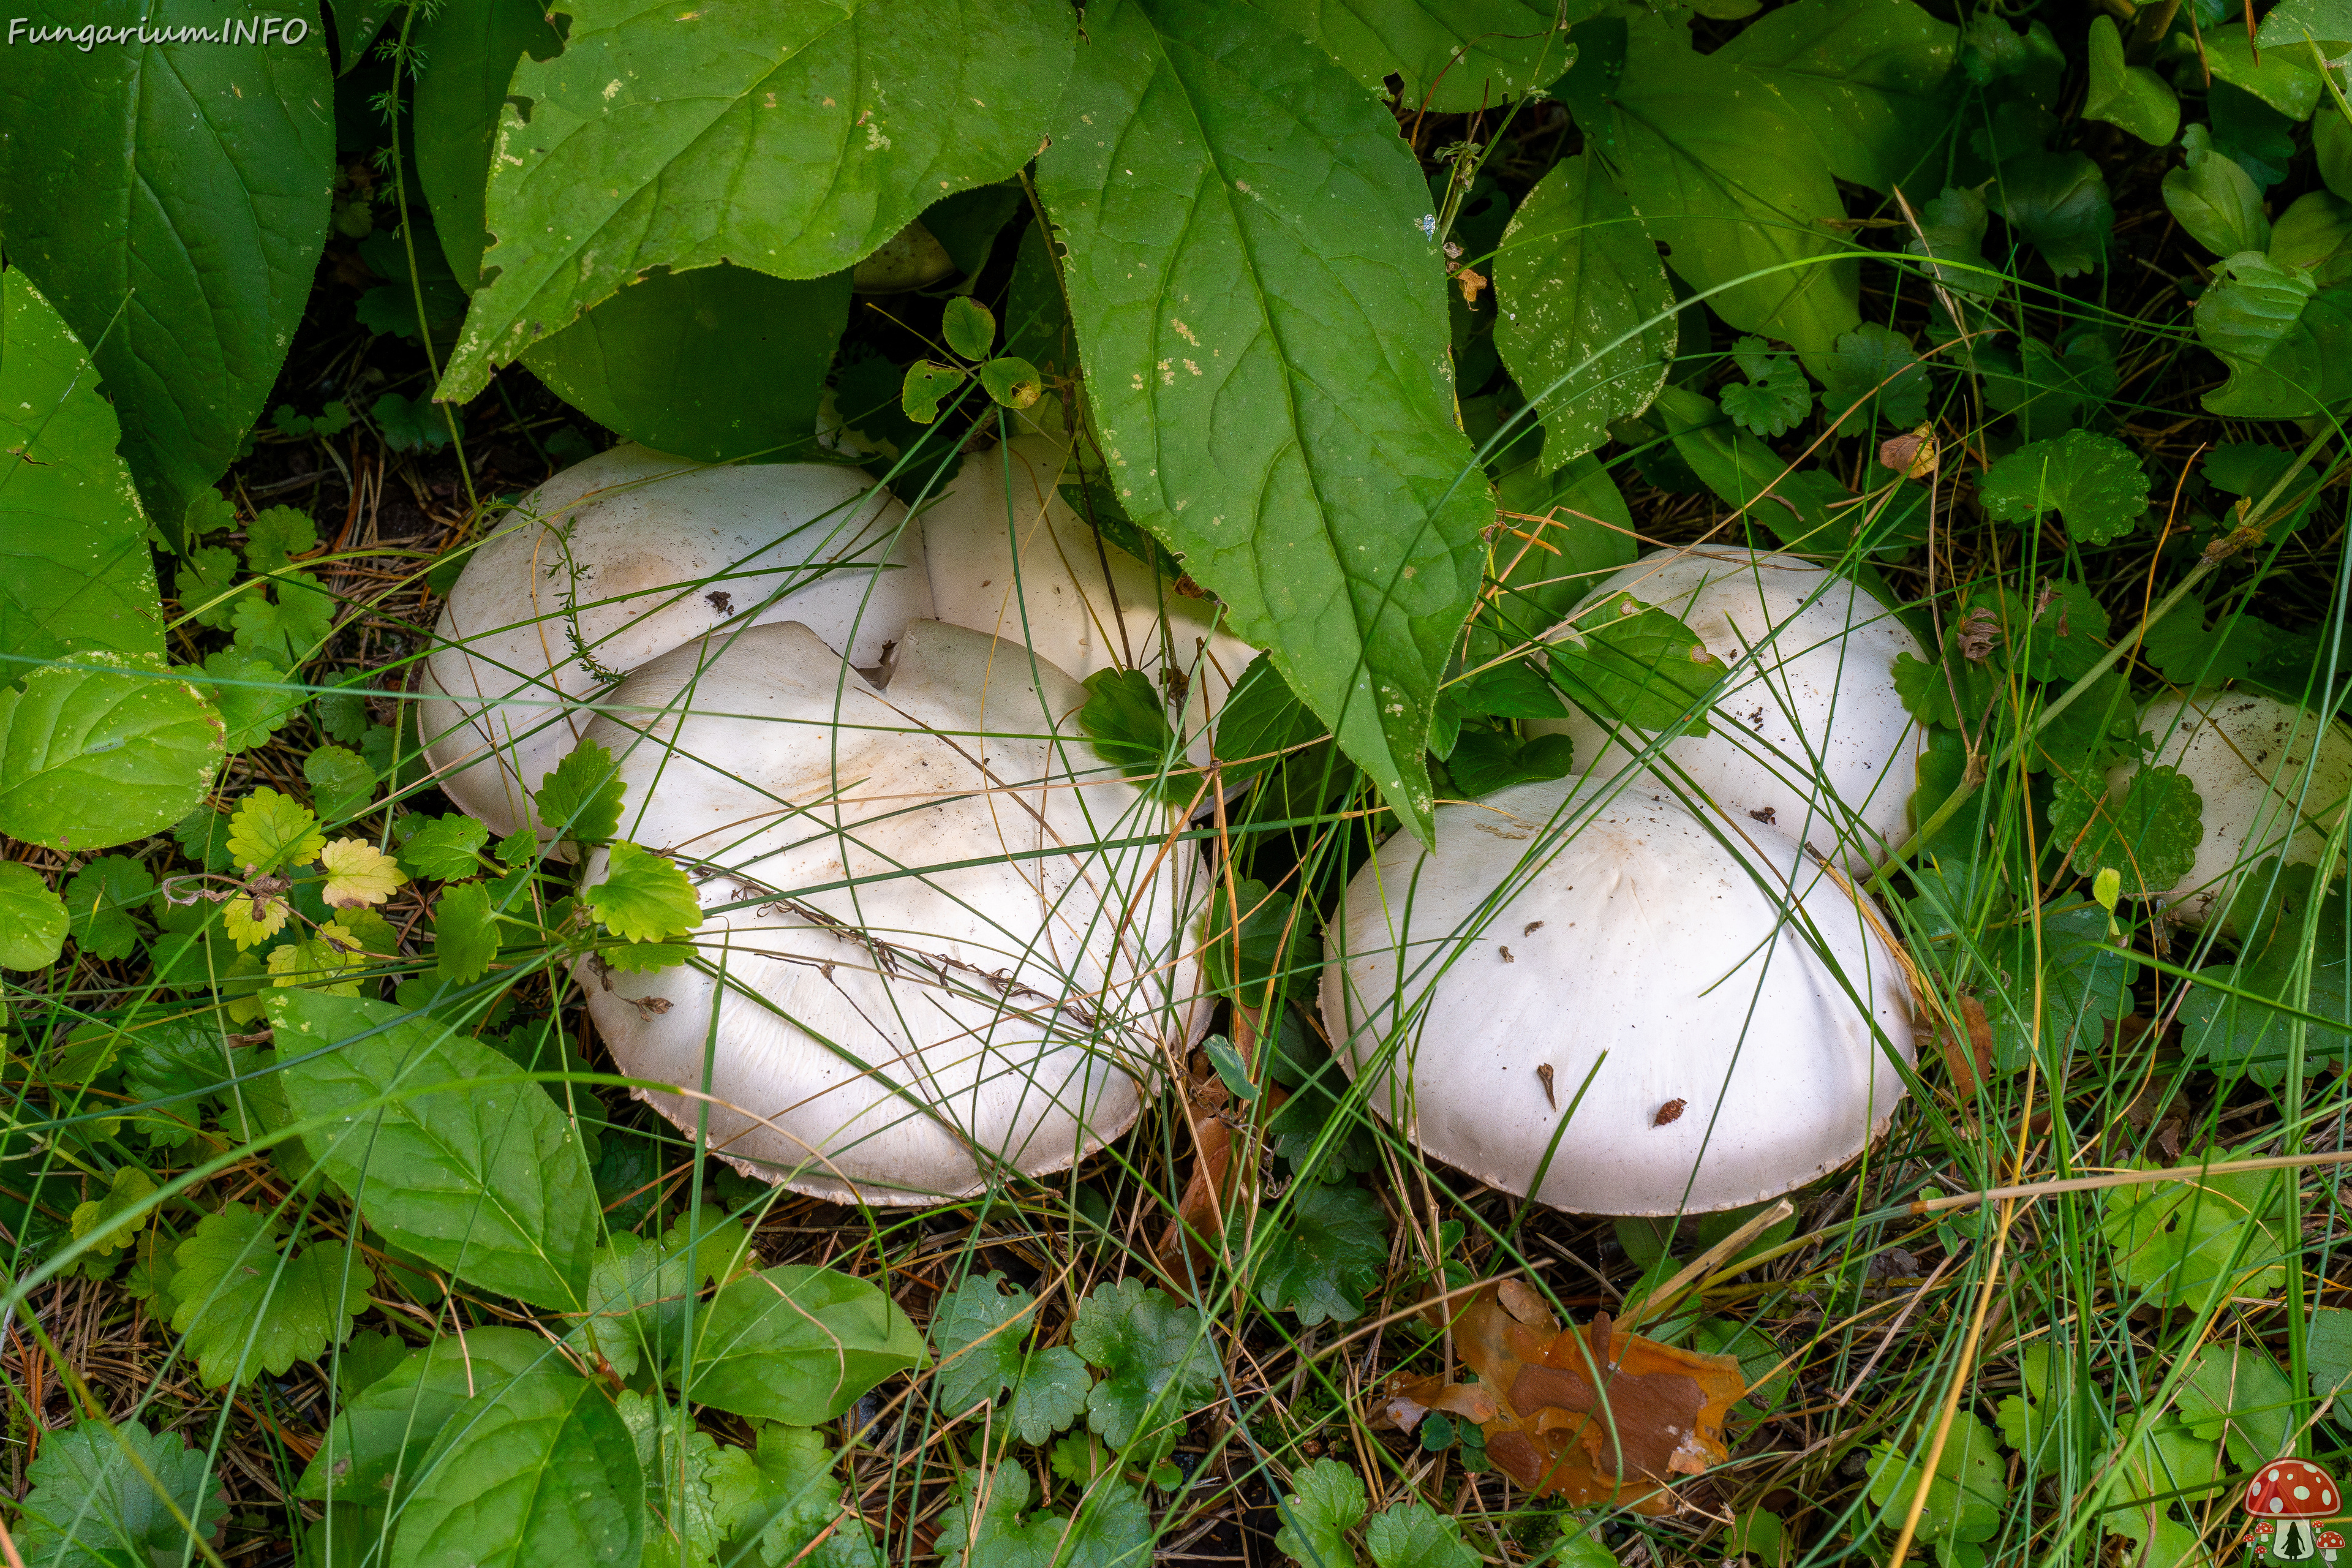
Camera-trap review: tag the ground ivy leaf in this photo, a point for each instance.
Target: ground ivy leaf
(269, 832)
(444, 846)
(1951, 239)
(1577, 272)
(487, 1182)
(1872, 372)
(1776, 395)
(1415, 1535)
(202, 581)
(695, 111)
(250, 693)
(580, 801)
(2173, 1240)
(2059, 202)
(103, 1494)
(113, 1220)
(1967, 1496)
(799, 1344)
(342, 782)
(276, 535)
(1326, 1501)
(974, 1342)
(543, 1471)
(464, 932)
(983, 1528)
(33, 919)
(1331, 1256)
(290, 627)
(2150, 836)
(644, 896)
(2092, 480)
(359, 874)
(245, 1309)
(1340, 520)
(1155, 1354)
(92, 757)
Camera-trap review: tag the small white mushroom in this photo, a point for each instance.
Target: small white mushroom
(1812, 738)
(2249, 759)
(1739, 1065)
(628, 555)
(1060, 601)
(935, 971)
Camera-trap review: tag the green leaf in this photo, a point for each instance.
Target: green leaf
(543, 1471)
(2286, 342)
(2315, 232)
(95, 756)
(1455, 56)
(799, 1344)
(1126, 721)
(1274, 408)
(2093, 481)
(1261, 720)
(1331, 1256)
(2328, 1351)
(1868, 79)
(1484, 761)
(2058, 203)
(276, 536)
(377, 1444)
(99, 901)
(2132, 97)
(2281, 78)
(456, 109)
(1749, 476)
(2215, 200)
(341, 782)
(75, 569)
(928, 386)
(1623, 660)
(111, 1495)
(292, 628)
(1966, 1498)
(1012, 383)
(2150, 836)
(1415, 1535)
(1951, 239)
(1155, 1354)
(977, 1334)
(801, 1499)
(204, 575)
(644, 897)
(2236, 1033)
(983, 1527)
(2238, 647)
(2238, 1397)
(113, 1220)
(32, 919)
(595, 187)
(271, 832)
(2175, 1240)
(1577, 282)
(444, 847)
(2082, 989)
(580, 801)
(715, 364)
(1327, 1501)
(1274, 943)
(1873, 374)
(249, 691)
(247, 1309)
(1730, 178)
(1776, 395)
(969, 327)
(172, 207)
(409, 425)
(464, 932)
(486, 1181)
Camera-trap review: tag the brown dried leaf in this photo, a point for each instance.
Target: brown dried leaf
(1968, 1062)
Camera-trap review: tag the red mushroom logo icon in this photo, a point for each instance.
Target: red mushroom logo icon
(2287, 1499)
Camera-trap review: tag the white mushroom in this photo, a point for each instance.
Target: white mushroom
(1060, 601)
(1720, 982)
(935, 968)
(1812, 739)
(625, 556)
(2251, 761)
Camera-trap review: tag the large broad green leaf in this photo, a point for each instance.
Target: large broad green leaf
(170, 200)
(799, 1344)
(1729, 178)
(470, 50)
(788, 138)
(1454, 56)
(2287, 343)
(487, 1182)
(1586, 320)
(75, 571)
(544, 1471)
(2130, 97)
(1253, 275)
(379, 1439)
(101, 752)
(714, 365)
(1867, 78)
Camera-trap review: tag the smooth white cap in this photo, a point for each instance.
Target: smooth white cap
(638, 543)
(1014, 1005)
(1633, 930)
(1813, 732)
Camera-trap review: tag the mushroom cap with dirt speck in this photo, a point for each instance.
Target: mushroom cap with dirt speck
(2252, 761)
(1712, 975)
(1811, 736)
(908, 1038)
(628, 550)
(1060, 601)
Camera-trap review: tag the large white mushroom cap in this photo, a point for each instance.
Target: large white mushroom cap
(1812, 738)
(2252, 762)
(1739, 1065)
(637, 553)
(1059, 601)
(995, 985)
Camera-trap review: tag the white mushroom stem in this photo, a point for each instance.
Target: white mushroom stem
(625, 556)
(1083, 603)
(953, 944)
(1730, 1015)
(2272, 780)
(1812, 739)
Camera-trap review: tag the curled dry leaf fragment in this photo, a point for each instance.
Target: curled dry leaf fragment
(1912, 454)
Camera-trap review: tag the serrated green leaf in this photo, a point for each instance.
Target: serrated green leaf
(692, 114)
(105, 1495)
(290, 627)
(269, 831)
(2327, 1353)
(542, 1471)
(1967, 1496)
(95, 756)
(2286, 343)
(1950, 237)
(249, 690)
(1155, 1354)
(277, 535)
(1454, 56)
(113, 1220)
(1415, 1535)
(2132, 97)
(642, 896)
(1776, 395)
(1327, 1500)
(1576, 273)
(33, 919)
(2214, 199)
(1870, 80)
(2174, 1241)
(342, 782)
(1328, 1257)
(2150, 836)
(489, 1183)
(100, 900)
(246, 1307)
(799, 1344)
(1872, 374)
(443, 848)
(983, 1527)
(75, 569)
(202, 581)
(2238, 1397)
(1806, 511)
(1338, 519)
(2082, 989)
(579, 800)
(2093, 481)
